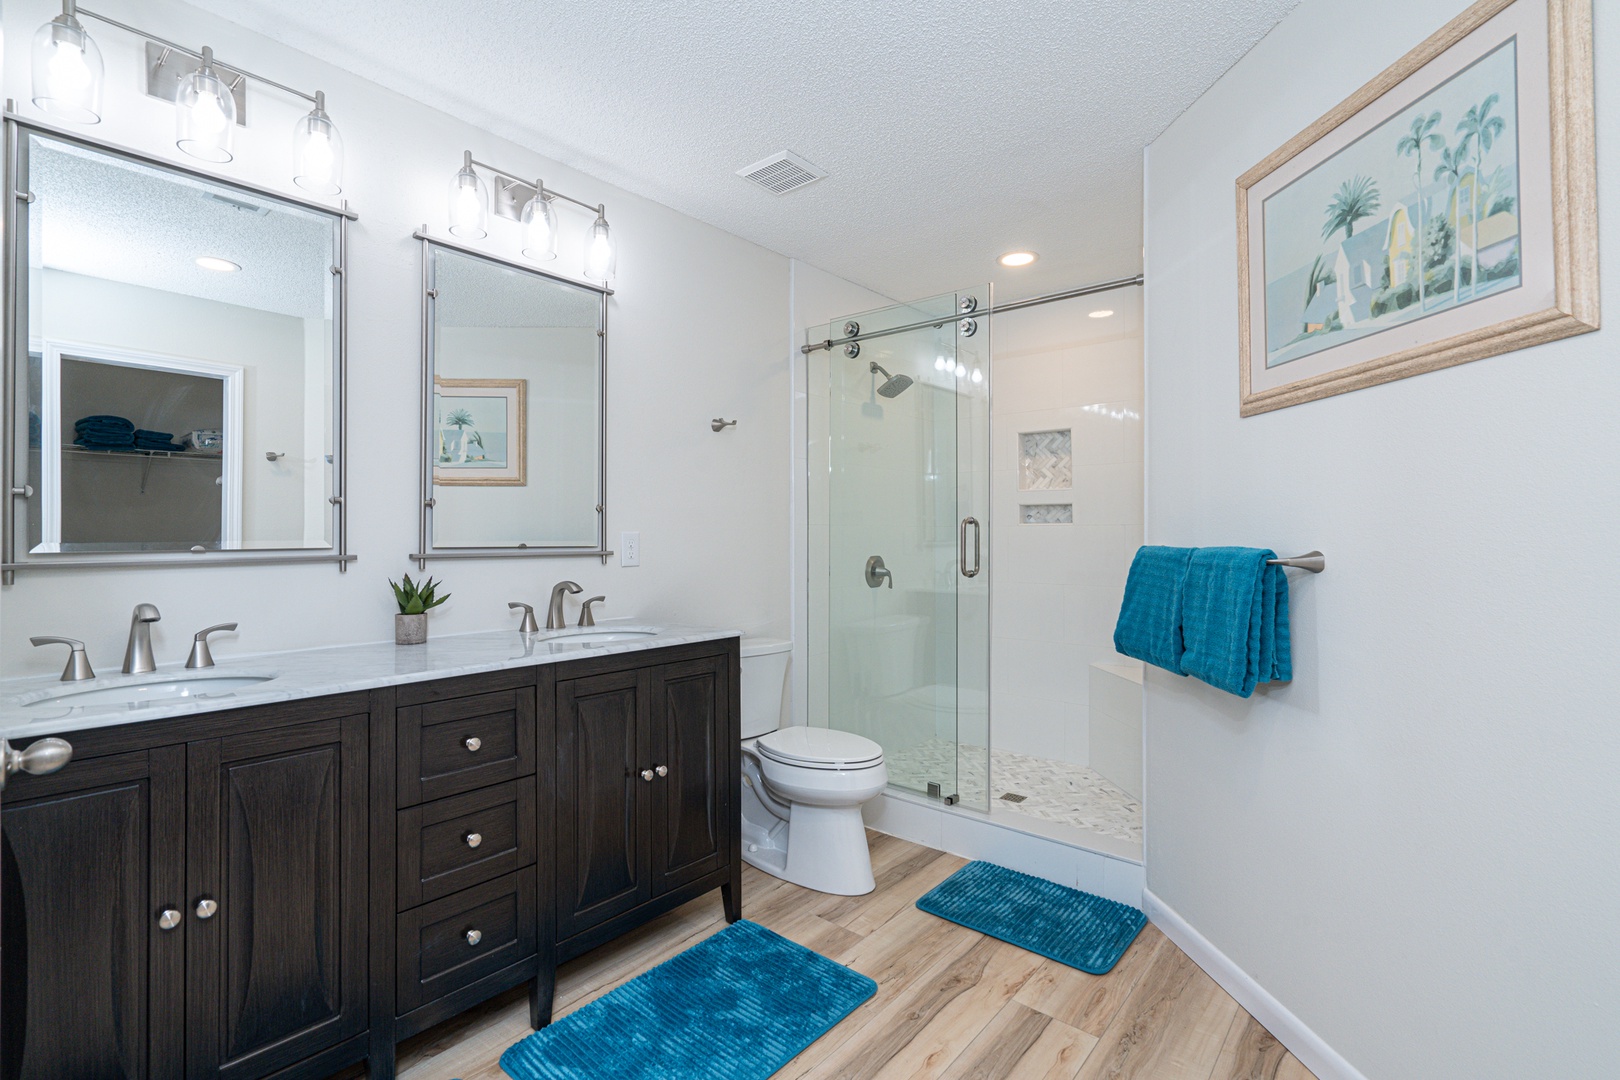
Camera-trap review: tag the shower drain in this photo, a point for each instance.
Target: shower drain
(1013, 797)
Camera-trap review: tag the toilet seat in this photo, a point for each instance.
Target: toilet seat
(820, 748)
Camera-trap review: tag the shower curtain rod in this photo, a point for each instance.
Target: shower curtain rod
(995, 309)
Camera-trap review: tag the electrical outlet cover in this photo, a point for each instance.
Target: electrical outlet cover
(630, 549)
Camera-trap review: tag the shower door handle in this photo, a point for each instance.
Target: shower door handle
(962, 549)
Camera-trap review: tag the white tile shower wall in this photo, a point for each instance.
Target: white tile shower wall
(1058, 585)
(1116, 723)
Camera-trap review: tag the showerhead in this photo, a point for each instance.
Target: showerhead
(895, 384)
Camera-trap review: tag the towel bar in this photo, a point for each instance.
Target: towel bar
(1311, 560)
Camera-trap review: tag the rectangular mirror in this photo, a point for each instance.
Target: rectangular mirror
(513, 364)
(175, 382)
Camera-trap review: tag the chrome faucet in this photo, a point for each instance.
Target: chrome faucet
(138, 656)
(586, 618)
(555, 619)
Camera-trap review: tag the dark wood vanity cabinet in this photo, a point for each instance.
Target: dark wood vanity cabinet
(284, 891)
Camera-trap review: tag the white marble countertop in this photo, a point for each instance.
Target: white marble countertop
(35, 706)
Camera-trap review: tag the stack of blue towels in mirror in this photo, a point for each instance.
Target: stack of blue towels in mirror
(103, 432)
(1219, 614)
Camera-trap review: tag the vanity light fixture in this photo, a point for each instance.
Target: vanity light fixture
(218, 265)
(67, 69)
(1018, 258)
(534, 207)
(67, 82)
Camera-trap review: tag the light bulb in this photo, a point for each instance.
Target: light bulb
(961, 370)
(67, 71)
(600, 256)
(467, 202)
(205, 113)
(539, 226)
(318, 151)
(939, 363)
(978, 376)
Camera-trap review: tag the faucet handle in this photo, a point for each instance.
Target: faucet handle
(528, 626)
(200, 656)
(585, 616)
(78, 665)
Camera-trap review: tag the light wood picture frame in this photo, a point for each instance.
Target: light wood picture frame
(480, 432)
(1452, 202)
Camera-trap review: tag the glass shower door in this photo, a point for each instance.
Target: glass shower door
(899, 613)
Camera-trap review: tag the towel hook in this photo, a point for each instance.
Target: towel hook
(719, 424)
(1313, 561)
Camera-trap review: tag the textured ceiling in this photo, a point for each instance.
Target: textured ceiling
(952, 131)
(118, 220)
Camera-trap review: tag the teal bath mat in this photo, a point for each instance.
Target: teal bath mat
(737, 1006)
(1052, 920)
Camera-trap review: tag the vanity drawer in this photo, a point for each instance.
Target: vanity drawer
(448, 747)
(453, 942)
(455, 843)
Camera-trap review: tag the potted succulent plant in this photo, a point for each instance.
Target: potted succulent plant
(415, 600)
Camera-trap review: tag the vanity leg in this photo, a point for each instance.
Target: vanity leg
(380, 1062)
(731, 896)
(540, 997)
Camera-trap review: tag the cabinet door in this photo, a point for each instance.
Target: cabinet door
(277, 840)
(602, 852)
(689, 833)
(91, 857)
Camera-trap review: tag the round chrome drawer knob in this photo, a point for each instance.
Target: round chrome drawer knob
(168, 919)
(474, 937)
(472, 743)
(662, 770)
(206, 908)
(474, 839)
(647, 775)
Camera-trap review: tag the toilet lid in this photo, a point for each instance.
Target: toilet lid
(819, 747)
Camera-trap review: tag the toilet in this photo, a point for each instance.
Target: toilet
(802, 787)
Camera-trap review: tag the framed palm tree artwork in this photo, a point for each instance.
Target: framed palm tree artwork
(480, 431)
(1445, 212)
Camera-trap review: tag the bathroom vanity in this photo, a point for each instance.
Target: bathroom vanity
(295, 876)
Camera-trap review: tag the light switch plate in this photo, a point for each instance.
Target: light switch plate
(630, 549)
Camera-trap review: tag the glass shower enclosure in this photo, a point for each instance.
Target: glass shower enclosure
(899, 552)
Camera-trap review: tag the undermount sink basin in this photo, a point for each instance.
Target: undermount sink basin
(591, 635)
(138, 694)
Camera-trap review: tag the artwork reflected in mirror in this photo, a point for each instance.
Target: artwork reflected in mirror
(514, 450)
(180, 373)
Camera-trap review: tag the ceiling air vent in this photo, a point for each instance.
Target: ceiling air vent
(782, 173)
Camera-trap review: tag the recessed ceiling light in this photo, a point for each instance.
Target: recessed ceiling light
(222, 266)
(1018, 258)
(1102, 313)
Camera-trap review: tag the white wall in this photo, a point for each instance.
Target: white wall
(1411, 846)
(1058, 586)
(699, 328)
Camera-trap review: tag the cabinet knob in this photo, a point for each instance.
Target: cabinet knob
(662, 770)
(647, 775)
(206, 908)
(168, 919)
(474, 937)
(474, 839)
(472, 743)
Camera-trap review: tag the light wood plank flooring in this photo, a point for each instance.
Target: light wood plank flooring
(951, 1003)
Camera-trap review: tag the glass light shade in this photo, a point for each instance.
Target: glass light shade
(67, 71)
(539, 229)
(468, 205)
(600, 256)
(318, 154)
(205, 116)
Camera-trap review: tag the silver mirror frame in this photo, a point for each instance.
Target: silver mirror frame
(425, 549)
(13, 344)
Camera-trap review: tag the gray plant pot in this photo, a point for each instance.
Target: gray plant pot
(410, 629)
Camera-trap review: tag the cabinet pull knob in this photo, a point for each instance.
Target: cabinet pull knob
(474, 937)
(474, 839)
(662, 770)
(168, 919)
(647, 775)
(206, 908)
(472, 743)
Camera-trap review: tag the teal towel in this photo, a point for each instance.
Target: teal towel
(1149, 626)
(1235, 619)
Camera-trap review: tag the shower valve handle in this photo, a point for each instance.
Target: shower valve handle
(877, 573)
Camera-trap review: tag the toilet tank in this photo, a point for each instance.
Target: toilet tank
(764, 674)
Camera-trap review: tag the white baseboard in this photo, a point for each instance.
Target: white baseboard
(1305, 1044)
